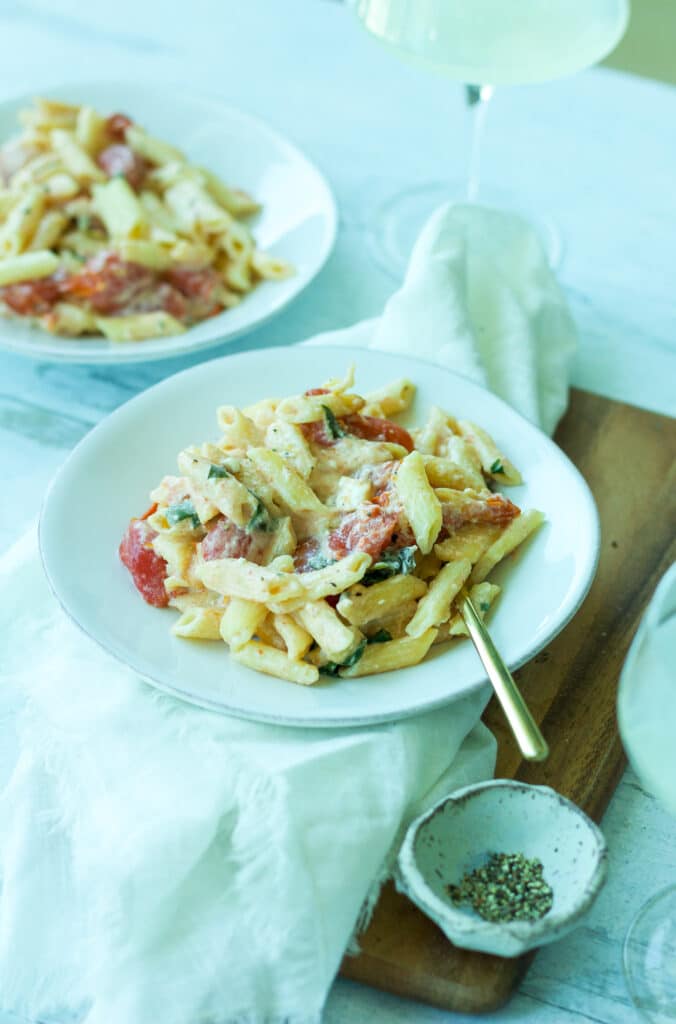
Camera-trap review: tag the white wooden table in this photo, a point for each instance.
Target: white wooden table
(597, 152)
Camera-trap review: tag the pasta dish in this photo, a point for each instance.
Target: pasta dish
(105, 229)
(317, 536)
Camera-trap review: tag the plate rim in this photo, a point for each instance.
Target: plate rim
(134, 352)
(352, 721)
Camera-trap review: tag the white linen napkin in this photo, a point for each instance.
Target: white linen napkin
(480, 299)
(159, 862)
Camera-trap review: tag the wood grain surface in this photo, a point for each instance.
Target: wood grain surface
(628, 458)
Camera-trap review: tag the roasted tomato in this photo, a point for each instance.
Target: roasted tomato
(199, 286)
(373, 429)
(317, 433)
(305, 555)
(158, 296)
(120, 159)
(368, 529)
(468, 509)
(147, 568)
(107, 283)
(116, 126)
(32, 298)
(225, 540)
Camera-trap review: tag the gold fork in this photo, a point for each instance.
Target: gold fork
(532, 743)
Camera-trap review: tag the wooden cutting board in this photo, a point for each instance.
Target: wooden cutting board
(628, 458)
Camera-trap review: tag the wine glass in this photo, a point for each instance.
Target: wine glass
(646, 709)
(483, 43)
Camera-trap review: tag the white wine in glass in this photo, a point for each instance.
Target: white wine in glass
(646, 709)
(483, 43)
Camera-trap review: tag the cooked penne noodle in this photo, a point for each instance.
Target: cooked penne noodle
(509, 539)
(48, 231)
(435, 607)
(336, 639)
(235, 577)
(288, 486)
(469, 541)
(199, 624)
(241, 620)
(361, 604)
(146, 254)
(75, 159)
(90, 130)
(310, 549)
(22, 221)
(119, 208)
(156, 151)
(269, 267)
(69, 320)
(493, 462)
(139, 326)
(287, 441)
(419, 501)
(138, 230)
(27, 266)
(392, 654)
(482, 595)
(296, 639)
(263, 658)
(390, 400)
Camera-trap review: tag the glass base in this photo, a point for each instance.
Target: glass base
(398, 221)
(649, 958)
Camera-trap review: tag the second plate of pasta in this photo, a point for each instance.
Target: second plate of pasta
(137, 223)
(322, 532)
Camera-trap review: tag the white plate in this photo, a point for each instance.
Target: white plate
(297, 223)
(108, 477)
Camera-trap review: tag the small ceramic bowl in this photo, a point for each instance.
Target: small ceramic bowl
(502, 816)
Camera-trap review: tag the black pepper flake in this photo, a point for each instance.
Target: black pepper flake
(509, 887)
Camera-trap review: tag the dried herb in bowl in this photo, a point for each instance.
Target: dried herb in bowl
(509, 887)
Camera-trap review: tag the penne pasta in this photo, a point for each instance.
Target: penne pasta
(419, 501)
(27, 266)
(309, 551)
(391, 655)
(148, 244)
(435, 607)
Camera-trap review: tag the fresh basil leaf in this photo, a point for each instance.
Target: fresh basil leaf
(261, 518)
(217, 471)
(332, 425)
(497, 467)
(184, 510)
(332, 668)
(381, 637)
(391, 563)
(355, 656)
(484, 606)
(319, 562)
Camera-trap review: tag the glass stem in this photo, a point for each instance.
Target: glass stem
(477, 98)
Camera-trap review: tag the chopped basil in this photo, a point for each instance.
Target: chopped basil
(391, 563)
(497, 467)
(217, 471)
(261, 518)
(381, 637)
(318, 562)
(332, 668)
(184, 510)
(332, 425)
(484, 606)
